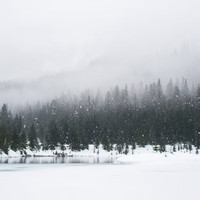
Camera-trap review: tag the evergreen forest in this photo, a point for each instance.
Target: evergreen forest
(122, 116)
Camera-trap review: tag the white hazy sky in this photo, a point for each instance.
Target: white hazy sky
(146, 38)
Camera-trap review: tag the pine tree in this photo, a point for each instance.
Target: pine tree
(23, 140)
(33, 142)
(17, 131)
(4, 138)
(4, 129)
(52, 137)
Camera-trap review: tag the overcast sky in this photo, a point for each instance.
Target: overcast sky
(145, 38)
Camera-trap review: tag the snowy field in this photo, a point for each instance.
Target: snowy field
(140, 177)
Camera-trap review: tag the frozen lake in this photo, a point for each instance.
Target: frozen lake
(154, 178)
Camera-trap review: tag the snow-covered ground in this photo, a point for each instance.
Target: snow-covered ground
(140, 176)
(91, 152)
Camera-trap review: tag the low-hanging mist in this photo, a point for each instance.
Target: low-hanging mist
(92, 44)
(19, 94)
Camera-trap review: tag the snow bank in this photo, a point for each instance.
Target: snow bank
(156, 157)
(147, 154)
(94, 152)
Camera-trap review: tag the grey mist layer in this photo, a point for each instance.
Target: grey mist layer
(48, 46)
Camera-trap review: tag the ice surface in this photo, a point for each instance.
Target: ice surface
(149, 176)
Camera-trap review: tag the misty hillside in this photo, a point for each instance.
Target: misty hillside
(103, 73)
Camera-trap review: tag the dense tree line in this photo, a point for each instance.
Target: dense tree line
(122, 117)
